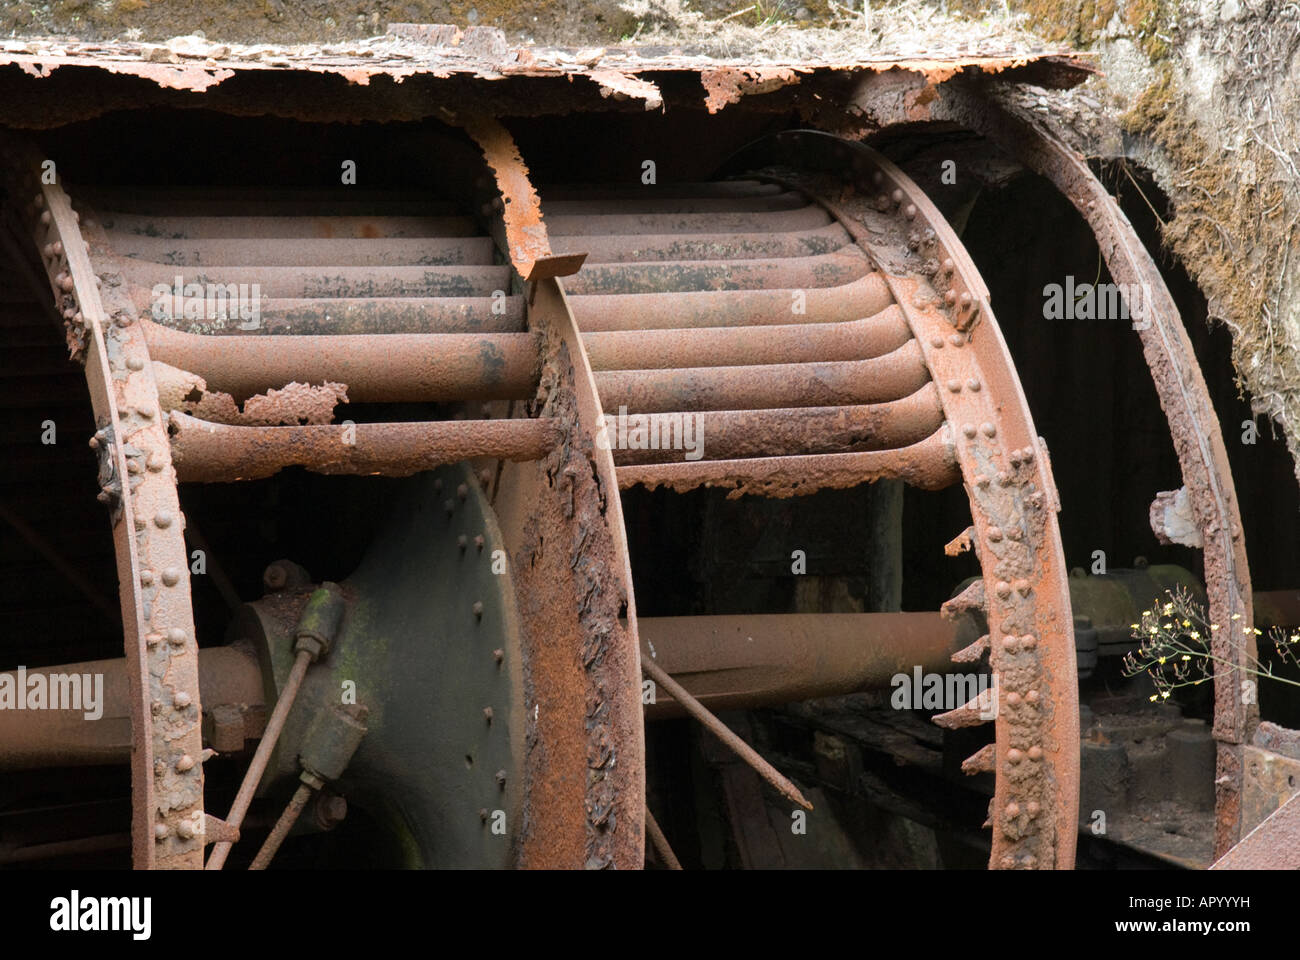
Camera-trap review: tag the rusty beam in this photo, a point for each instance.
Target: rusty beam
(741, 434)
(32, 739)
(395, 367)
(742, 662)
(897, 374)
(929, 465)
(862, 339)
(219, 453)
(800, 273)
(864, 297)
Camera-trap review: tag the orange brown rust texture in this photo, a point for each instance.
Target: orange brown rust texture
(526, 237)
(194, 65)
(213, 452)
(585, 800)
(297, 403)
(1197, 437)
(928, 465)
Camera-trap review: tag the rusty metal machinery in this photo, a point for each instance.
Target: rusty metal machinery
(475, 679)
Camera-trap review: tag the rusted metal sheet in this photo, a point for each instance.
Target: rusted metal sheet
(305, 252)
(320, 282)
(929, 465)
(897, 374)
(137, 486)
(862, 339)
(369, 315)
(741, 662)
(218, 453)
(1003, 463)
(738, 434)
(526, 240)
(1193, 426)
(1273, 845)
(732, 308)
(388, 368)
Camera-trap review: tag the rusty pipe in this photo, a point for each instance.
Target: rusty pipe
(736, 346)
(388, 368)
(863, 297)
(897, 374)
(219, 453)
(741, 434)
(31, 739)
(928, 465)
(741, 662)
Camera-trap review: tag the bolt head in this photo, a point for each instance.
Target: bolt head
(182, 700)
(175, 636)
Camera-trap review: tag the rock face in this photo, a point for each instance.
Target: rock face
(1207, 96)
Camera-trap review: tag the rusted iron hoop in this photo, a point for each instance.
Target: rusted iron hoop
(138, 485)
(1185, 399)
(1005, 467)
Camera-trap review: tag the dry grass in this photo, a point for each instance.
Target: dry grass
(766, 31)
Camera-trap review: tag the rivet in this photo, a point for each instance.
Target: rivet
(155, 462)
(981, 481)
(462, 541)
(1008, 642)
(995, 534)
(94, 443)
(65, 282)
(161, 831)
(910, 211)
(478, 609)
(175, 636)
(989, 430)
(896, 196)
(185, 829)
(58, 248)
(152, 639)
(487, 714)
(501, 779)
(1014, 755)
(1014, 458)
(1035, 752)
(133, 466)
(1003, 589)
(1013, 809)
(969, 430)
(462, 491)
(171, 576)
(135, 363)
(1013, 698)
(964, 299)
(1029, 641)
(479, 541)
(1015, 533)
(45, 217)
(1022, 587)
(1032, 696)
(163, 518)
(146, 577)
(1033, 808)
(882, 203)
(950, 297)
(485, 478)
(186, 762)
(936, 342)
(483, 814)
(954, 386)
(1027, 454)
(956, 339)
(146, 413)
(972, 384)
(498, 655)
(182, 700)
